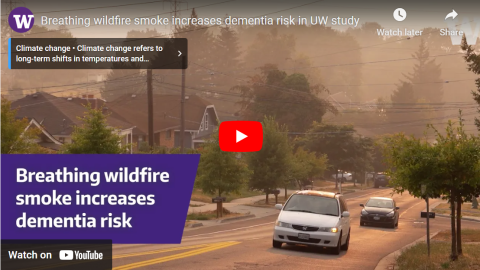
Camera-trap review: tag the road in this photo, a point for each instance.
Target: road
(248, 244)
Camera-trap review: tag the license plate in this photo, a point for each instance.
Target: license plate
(376, 218)
(303, 236)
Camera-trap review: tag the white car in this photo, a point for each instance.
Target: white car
(343, 177)
(313, 218)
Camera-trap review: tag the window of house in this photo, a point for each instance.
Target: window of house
(201, 126)
(168, 135)
(206, 121)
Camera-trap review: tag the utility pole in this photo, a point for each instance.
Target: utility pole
(174, 9)
(150, 108)
(182, 108)
(425, 194)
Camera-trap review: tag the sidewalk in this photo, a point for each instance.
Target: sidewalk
(252, 200)
(464, 213)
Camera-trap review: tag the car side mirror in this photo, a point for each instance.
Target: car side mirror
(397, 208)
(362, 205)
(345, 214)
(278, 206)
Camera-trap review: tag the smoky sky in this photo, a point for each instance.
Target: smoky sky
(420, 14)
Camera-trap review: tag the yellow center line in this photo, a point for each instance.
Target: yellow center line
(121, 256)
(157, 251)
(176, 256)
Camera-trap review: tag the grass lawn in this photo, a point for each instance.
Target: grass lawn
(416, 257)
(199, 196)
(468, 235)
(207, 215)
(444, 208)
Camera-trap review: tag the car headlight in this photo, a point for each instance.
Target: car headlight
(329, 229)
(364, 213)
(390, 214)
(283, 224)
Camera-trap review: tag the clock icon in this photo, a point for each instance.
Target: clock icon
(400, 14)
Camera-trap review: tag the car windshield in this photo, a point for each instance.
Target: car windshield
(379, 203)
(312, 204)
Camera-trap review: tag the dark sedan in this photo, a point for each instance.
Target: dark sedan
(381, 180)
(379, 210)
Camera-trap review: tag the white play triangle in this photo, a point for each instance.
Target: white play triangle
(240, 136)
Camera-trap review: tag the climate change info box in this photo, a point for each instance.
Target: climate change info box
(95, 53)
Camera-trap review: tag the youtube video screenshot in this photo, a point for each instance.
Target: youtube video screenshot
(238, 135)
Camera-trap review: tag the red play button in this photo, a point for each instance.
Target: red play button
(241, 136)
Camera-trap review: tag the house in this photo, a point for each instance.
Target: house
(57, 116)
(45, 139)
(201, 118)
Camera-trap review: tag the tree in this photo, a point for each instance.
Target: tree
(306, 165)
(94, 136)
(450, 168)
(289, 98)
(270, 165)
(227, 50)
(220, 172)
(461, 161)
(403, 105)
(333, 140)
(201, 55)
(362, 156)
(473, 61)
(406, 108)
(426, 76)
(124, 78)
(15, 138)
(267, 47)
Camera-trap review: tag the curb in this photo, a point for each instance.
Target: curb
(235, 218)
(194, 225)
(467, 218)
(388, 262)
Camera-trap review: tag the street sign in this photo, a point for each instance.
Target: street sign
(275, 191)
(218, 199)
(430, 214)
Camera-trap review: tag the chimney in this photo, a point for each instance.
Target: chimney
(90, 96)
(84, 96)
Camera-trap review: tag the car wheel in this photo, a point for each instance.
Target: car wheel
(347, 243)
(277, 244)
(362, 224)
(336, 250)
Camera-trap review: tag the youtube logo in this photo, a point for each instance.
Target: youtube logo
(241, 136)
(66, 255)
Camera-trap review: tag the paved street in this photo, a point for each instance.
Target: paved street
(248, 244)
